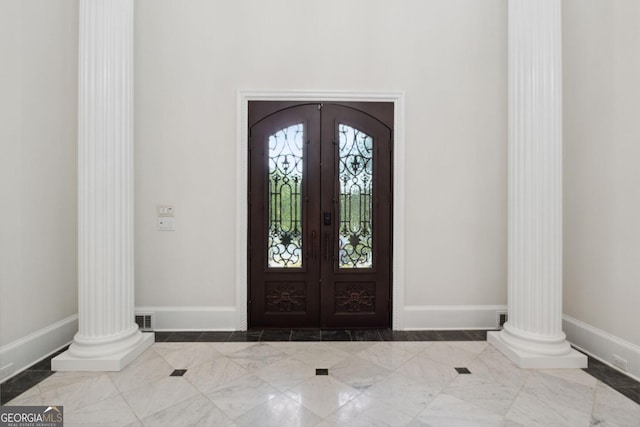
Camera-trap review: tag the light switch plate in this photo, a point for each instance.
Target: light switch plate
(165, 211)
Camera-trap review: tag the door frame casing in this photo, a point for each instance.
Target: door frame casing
(242, 175)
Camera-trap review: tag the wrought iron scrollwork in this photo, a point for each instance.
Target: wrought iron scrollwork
(356, 198)
(285, 197)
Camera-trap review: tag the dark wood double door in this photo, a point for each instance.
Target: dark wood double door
(320, 209)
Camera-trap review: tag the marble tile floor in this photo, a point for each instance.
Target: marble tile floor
(375, 382)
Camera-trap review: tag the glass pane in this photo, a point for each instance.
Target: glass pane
(285, 197)
(356, 203)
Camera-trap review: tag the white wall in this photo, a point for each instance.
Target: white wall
(602, 166)
(449, 57)
(38, 109)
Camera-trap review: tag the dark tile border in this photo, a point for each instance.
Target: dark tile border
(335, 335)
(306, 335)
(184, 336)
(276, 336)
(613, 378)
(632, 393)
(245, 336)
(389, 335)
(322, 335)
(22, 382)
(214, 336)
(365, 335)
(18, 384)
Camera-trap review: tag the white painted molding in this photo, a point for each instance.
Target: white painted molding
(34, 347)
(244, 96)
(443, 317)
(192, 318)
(602, 345)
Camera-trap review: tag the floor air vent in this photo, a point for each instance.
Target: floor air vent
(144, 321)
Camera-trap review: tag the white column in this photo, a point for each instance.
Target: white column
(532, 336)
(108, 337)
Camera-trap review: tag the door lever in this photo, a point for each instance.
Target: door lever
(326, 218)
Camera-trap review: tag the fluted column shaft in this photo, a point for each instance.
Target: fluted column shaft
(535, 175)
(533, 335)
(105, 180)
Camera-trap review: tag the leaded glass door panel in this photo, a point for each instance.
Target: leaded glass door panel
(320, 215)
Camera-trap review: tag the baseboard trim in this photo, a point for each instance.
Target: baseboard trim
(31, 349)
(224, 318)
(443, 317)
(191, 318)
(602, 345)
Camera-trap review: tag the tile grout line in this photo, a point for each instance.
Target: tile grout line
(593, 401)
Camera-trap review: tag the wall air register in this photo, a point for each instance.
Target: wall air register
(145, 321)
(502, 319)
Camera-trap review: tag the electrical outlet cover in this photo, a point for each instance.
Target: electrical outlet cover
(166, 224)
(619, 362)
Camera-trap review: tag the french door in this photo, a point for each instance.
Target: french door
(320, 207)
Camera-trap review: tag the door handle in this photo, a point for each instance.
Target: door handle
(313, 245)
(326, 217)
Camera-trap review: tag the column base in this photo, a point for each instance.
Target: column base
(114, 362)
(528, 360)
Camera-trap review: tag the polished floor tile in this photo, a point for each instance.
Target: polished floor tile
(358, 373)
(404, 394)
(111, 411)
(196, 411)
(286, 373)
(281, 411)
(150, 399)
(319, 355)
(609, 409)
(547, 400)
(136, 375)
(495, 397)
(365, 411)
(211, 375)
(390, 357)
(378, 382)
(446, 410)
(322, 394)
(82, 394)
(241, 395)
